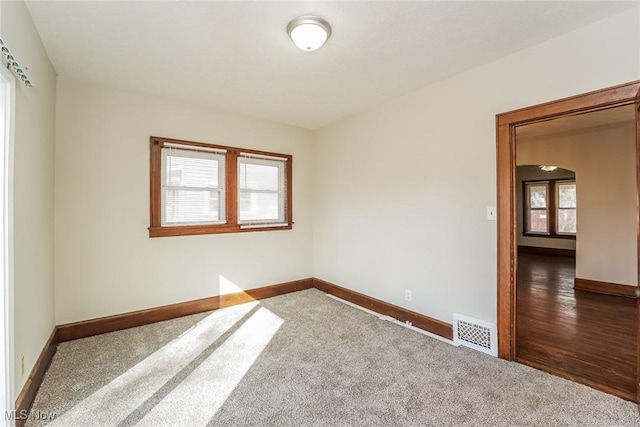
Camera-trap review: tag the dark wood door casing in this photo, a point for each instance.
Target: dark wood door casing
(506, 124)
(637, 106)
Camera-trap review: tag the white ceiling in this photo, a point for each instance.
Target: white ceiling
(236, 56)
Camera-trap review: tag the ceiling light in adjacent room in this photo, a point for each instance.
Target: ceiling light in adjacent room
(309, 33)
(547, 168)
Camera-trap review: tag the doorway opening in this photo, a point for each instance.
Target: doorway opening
(512, 328)
(562, 326)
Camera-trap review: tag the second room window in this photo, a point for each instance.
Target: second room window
(550, 208)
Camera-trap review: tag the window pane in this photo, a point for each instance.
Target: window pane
(537, 196)
(245, 202)
(259, 176)
(538, 221)
(567, 221)
(567, 195)
(192, 206)
(261, 190)
(260, 207)
(192, 187)
(185, 171)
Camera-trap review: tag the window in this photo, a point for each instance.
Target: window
(199, 188)
(538, 217)
(192, 190)
(262, 189)
(550, 208)
(567, 208)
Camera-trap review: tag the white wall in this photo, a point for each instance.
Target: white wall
(603, 159)
(533, 175)
(105, 261)
(33, 190)
(420, 224)
(401, 190)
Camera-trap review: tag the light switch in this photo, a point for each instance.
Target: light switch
(491, 213)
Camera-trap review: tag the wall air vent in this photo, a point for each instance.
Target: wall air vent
(476, 334)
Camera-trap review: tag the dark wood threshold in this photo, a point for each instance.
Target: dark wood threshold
(563, 374)
(535, 250)
(30, 388)
(418, 320)
(88, 328)
(606, 288)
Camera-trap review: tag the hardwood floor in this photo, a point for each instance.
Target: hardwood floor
(586, 337)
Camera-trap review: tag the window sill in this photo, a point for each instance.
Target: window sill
(551, 236)
(192, 230)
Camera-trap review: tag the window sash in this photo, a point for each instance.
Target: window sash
(559, 185)
(269, 216)
(529, 220)
(565, 233)
(560, 208)
(187, 210)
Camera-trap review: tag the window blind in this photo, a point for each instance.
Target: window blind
(261, 190)
(192, 185)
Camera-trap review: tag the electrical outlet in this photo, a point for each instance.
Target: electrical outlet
(407, 294)
(22, 364)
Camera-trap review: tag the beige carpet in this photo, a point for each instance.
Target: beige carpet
(303, 359)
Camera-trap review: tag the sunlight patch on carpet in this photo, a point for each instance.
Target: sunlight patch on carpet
(135, 386)
(199, 396)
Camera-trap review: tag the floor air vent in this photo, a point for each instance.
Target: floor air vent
(476, 334)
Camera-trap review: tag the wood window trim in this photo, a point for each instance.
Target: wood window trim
(552, 209)
(156, 229)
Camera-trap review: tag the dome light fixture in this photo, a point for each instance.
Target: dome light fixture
(308, 32)
(548, 168)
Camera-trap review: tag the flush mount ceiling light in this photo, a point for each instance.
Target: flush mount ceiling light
(309, 33)
(548, 168)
